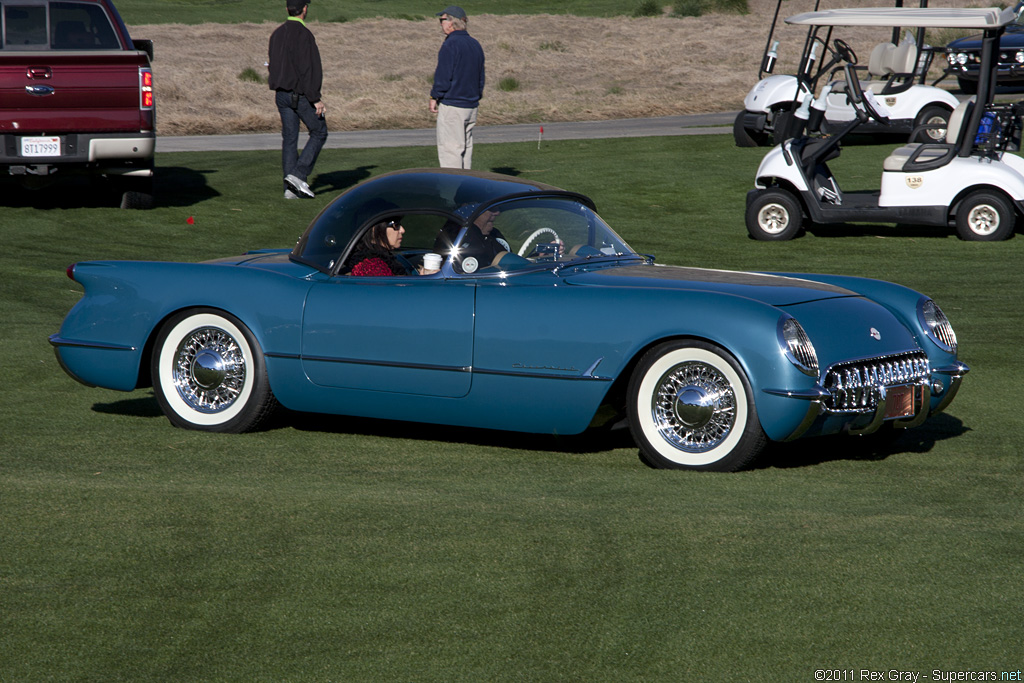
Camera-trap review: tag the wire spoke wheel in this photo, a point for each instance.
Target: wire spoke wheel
(691, 407)
(694, 407)
(209, 370)
(209, 373)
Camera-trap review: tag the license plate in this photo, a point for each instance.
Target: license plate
(899, 402)
(40, 147)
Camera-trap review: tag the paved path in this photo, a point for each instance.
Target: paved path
(696, 124)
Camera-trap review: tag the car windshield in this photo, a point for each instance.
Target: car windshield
(473, 221)
(529, 231)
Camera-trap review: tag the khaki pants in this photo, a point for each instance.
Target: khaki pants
(455, 136)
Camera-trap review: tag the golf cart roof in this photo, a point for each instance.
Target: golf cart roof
(923, 17)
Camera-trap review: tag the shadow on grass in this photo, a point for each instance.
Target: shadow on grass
(592, 441)
(867, 229)
(335, 181)
(801, 453)
(173, 186)
(132, 407)
(878, 446)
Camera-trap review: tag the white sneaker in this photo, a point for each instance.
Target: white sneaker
(288, 194)
(299, 187)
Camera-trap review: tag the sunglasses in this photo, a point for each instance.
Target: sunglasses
(444, 19)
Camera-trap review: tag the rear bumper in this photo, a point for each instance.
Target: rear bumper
(111, 153)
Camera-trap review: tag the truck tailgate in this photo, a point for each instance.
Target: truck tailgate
(94, 91)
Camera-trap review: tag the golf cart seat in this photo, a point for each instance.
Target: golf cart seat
(890, 69)
(924, 156)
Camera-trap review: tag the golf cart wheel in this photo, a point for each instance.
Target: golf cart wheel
(744, 136)
(932, 115)
(774, 215)
(985, 217)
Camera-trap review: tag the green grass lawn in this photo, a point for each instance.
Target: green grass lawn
(234, 11)
(334, 549)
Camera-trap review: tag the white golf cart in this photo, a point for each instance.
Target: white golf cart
(895, 72)
(968, 179)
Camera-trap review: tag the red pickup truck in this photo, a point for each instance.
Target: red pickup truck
(76, 96)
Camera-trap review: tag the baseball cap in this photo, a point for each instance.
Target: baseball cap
(297, 4)
(452, 11)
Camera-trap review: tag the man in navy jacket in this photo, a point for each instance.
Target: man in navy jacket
(458, 87)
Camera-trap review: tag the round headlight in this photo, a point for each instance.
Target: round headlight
(797, 346)
(1019, 57)
(961, 59)
(936, 325)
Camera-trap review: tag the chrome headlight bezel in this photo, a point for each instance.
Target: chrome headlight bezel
(936, 325)
(961, 58)
(796, 346)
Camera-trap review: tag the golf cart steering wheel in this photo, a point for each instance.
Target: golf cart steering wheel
(844, 52)
(856, 96)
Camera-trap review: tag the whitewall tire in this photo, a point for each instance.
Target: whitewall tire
(209, 373)
(691, 407)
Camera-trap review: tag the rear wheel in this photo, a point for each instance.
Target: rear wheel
(774, 215)
(136, 193)
(985, 216)
(932, 115)
(691, 407)
(209, 373)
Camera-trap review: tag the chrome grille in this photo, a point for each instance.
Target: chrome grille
(854, 386)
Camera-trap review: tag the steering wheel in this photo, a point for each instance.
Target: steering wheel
(856, 96)
(523, 250)
(844, 52)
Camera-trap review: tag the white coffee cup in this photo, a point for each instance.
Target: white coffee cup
(431, 262)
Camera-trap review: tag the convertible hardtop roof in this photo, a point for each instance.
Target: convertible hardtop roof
(922, 17)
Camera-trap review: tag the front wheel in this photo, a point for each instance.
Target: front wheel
(691, 407)
(985, 217)
(774, 215)
(209, 373)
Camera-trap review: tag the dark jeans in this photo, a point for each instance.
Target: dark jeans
(291, 162)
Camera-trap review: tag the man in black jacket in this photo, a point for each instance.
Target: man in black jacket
(296, 76)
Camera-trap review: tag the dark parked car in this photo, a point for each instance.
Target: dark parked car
(964, 58)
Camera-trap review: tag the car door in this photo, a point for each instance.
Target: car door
(409, 334)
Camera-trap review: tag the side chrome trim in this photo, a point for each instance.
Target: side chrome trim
(816, 394)
(586, 376)
(540, 375)
(57, 340)
(382, 363)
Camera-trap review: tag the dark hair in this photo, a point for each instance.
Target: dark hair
(295, 7)
(376, 238)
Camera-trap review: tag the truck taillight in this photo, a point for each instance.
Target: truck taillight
(146, 88)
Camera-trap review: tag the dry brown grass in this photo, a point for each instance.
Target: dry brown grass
(378, 72)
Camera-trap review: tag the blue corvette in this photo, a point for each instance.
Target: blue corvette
(540, 319)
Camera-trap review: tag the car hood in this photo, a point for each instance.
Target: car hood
(774, 290)
(1012, 38)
